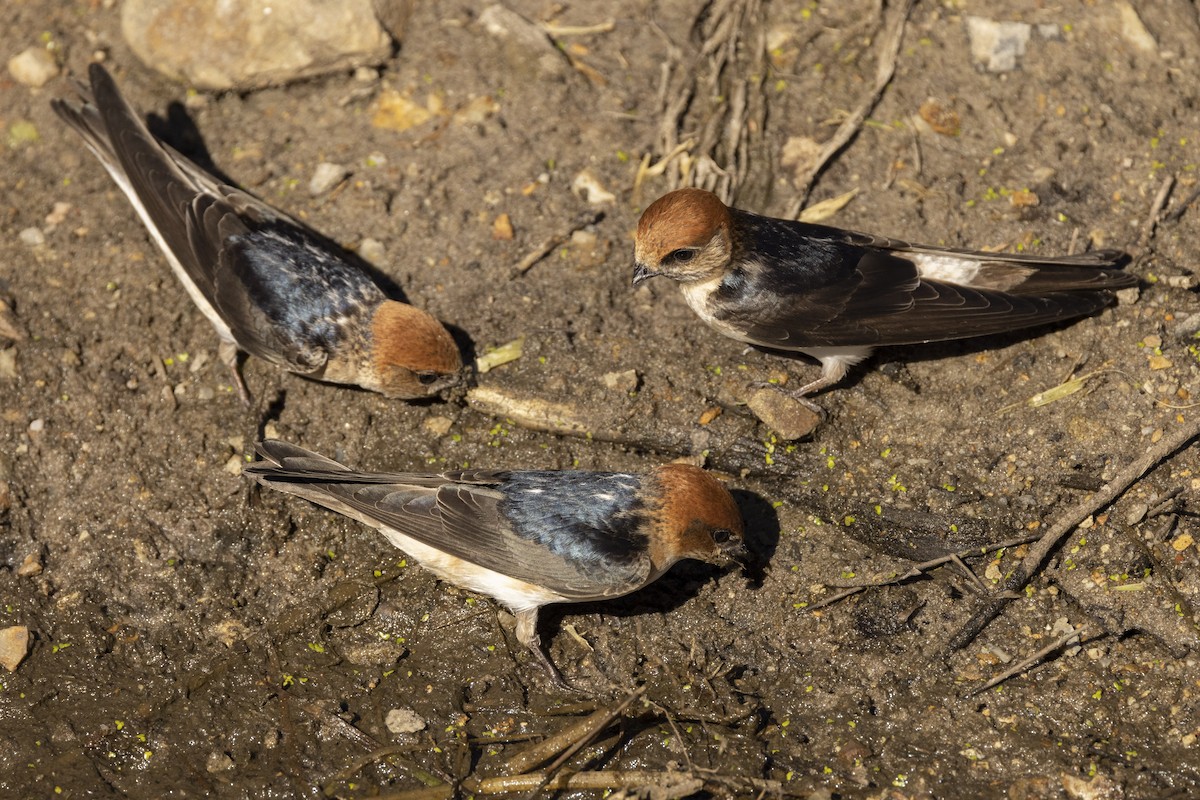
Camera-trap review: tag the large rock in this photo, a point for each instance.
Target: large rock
(248, 44)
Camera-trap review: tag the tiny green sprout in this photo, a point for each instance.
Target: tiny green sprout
(1099, 693)
(119, 723)
(850, 520)
(316, 647)
(949, 487)
(878, 510)
(622, 156)
(378, 573)
(777, 504)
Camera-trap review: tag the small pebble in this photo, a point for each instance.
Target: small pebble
(218, 762)
(786, 416)
(31, 566)
(234, 465)
(372, 250)
(326, 177)
(206, 393)
(33, 237)
(34, 66)
(37, 426)
(14, 645)
(403, 720)
(502, 228)
(438, 426)
(626, 381)
(8, 363)
(588, 186)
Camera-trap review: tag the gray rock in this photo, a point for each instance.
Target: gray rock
(403, 720)
(997, 46)
(248, 44)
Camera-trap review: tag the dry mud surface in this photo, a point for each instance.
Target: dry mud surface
(193, 637)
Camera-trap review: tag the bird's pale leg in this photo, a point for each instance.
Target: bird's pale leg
(832, 372)
(228, 353)
(527, 635)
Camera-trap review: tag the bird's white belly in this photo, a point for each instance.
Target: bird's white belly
(516, 594)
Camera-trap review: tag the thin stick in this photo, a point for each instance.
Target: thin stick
(551, 772)
(570, 738)
(920, 569)
(1156, 208)
(1032, 661)
(544, 249)
(884, 71)
(632, 780)
(1066, 523)
(1182, 208)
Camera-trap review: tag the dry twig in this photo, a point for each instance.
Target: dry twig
(1066, 523)
(1032, 661)
(544, 249)
(851, 126)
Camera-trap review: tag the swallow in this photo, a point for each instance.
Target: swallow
(527, 538)
(835, 295)
(270, 286)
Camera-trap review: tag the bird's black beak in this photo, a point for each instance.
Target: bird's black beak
(641, 272)
(734, 553)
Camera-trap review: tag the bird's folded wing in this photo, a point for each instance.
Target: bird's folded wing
(886, 302)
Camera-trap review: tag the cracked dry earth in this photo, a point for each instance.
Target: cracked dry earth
(193, 637)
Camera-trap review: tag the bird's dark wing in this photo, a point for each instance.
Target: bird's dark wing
(259, 272)
(464, 519)
(812, 286)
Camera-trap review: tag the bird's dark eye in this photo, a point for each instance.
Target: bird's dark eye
(427, 378)
(721, 536)
(681, 256)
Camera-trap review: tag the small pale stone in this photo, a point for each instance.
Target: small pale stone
(1134, 30)
(37, 426)
(8, 363)
(626, 381)
(229, 632)
(34, 66)
(438, 426)
(14, 646)
(502, 229)
(218, 762)
(31, 566)
(1159, 362)
(1182, 542)
(32, 237)
(588, 186)
(1127, 296)
(403, 720)
(234, 465)
(1152, 341)
(786, 416)
(372, 250)
(997, 46)
(326, 176)
(58, 214)
(710, 414)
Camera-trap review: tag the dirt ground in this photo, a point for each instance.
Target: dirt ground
(193, 637)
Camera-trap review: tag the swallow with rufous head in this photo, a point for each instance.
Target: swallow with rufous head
(835, 295)
(527, 538)
(269, 285)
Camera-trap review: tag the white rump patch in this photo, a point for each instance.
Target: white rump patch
(951, 269)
